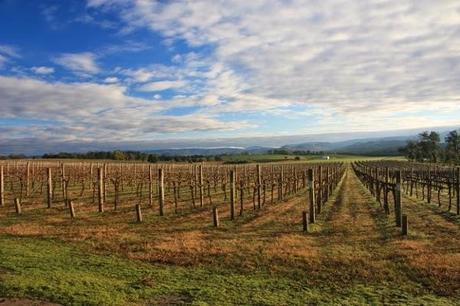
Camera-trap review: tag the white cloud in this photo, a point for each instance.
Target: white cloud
(79, 62)
(162, 85)
(6, 53)
(110, 80)
(2, 60)
(138, 75)
(89, 111)
(42, 70)
(343, 56)
(10, 51)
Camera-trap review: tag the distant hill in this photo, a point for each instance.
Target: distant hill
(209, 151)
(375, 147)
(370, 146)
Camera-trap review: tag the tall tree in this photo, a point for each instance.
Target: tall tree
(453, 146)
(426, 148)
(412, 151)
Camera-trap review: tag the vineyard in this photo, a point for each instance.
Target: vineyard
(94, 232)
(164, 188)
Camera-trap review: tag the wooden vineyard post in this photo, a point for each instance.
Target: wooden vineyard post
(295, 181)
(200, 182)
(311, 195)
(138, 213)
(63, 181)
(71, 210)
(17, 206)
(49, 188)
(280, 189)
(411, 192)
(28, 179)
(428, 193)
(100, 176)
(326, 198)
(320, 189)
(371, 181)
(2, 187)
(377, 186)
(405, 225)
(259, 183)
(150, 186)
(385, 191)
(232, 194)
(331, 181)
(457, 189)
(398, 207)
(104, 184)
(175, 191)
(241, 197)
(215, 217)
(305, 221)
(161, 191)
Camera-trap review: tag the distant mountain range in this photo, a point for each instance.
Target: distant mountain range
(365, 146)
(375, 146)
(383, 146)
(365, 143)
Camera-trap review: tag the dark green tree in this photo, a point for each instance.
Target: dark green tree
(453, 147)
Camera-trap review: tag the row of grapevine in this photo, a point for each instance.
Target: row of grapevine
(430, 183)
(386, 178)
(164, 187)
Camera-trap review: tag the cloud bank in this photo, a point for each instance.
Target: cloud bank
(248, 67)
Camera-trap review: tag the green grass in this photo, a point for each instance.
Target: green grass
(54, 271)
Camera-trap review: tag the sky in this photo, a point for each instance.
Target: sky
(124, 71)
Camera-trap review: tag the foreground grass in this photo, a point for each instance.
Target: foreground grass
(54, 271)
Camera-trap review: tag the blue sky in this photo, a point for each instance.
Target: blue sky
(132, 70)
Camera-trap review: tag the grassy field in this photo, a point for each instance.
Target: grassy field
(354, 255)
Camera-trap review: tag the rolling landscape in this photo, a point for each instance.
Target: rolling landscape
(229, 152)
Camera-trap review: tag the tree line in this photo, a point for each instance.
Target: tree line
(132, 156)
(428, 148)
